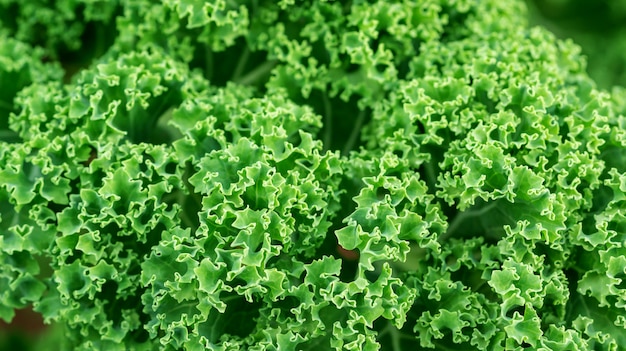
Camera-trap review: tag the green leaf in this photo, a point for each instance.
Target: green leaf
(526, 328)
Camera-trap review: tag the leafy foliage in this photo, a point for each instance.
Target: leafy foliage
(304, 175)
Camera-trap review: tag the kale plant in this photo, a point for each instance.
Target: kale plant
(308, 175)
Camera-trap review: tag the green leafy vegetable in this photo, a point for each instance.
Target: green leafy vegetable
(308, 175)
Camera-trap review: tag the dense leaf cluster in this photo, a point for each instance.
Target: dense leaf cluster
(308, 175)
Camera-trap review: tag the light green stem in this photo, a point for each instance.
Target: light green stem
(256, 73)
(461, 217)
(208, 63)
(355, 133)
(9, 136)
(241, 64)
(328, 122)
